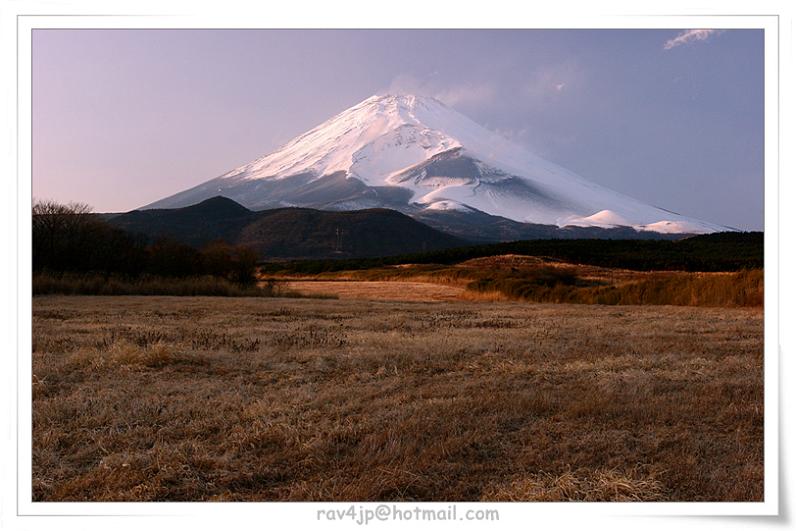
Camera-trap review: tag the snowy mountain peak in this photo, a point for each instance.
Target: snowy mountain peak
(369, 141)
(412, 152)
(400, 103)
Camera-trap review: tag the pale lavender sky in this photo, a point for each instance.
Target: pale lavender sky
(122, 118)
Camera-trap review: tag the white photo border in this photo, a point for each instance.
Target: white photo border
(293, 513)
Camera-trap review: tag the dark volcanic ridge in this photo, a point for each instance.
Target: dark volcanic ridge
(296, 233)
(289, 232)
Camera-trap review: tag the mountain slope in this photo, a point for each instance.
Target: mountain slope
(309, 233)
(217, 218)
(289, 232)
(415, 154)
(480, 227)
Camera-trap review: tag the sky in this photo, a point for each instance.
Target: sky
(122, 118)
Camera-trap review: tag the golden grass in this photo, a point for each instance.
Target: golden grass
(124, 352)
(598, 485)
(169, 398)
(538, 279)
(416, 291)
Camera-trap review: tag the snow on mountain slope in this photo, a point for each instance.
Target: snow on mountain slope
(410, 153)
(369, 141)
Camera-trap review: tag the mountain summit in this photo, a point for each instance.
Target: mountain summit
(415, 154)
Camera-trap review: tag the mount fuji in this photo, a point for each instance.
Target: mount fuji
(416, 155)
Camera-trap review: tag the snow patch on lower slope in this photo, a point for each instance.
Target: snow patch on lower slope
(448, 205)
(679, 227)
(603, 218)
(609, 219)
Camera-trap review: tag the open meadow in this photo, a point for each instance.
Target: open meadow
(209, 398)
(530, 279)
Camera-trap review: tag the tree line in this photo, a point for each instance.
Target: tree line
(69, 238)
(726, 251)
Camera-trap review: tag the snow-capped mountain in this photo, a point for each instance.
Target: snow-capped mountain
(415, 154)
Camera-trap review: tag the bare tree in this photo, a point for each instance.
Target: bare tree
(55, 225)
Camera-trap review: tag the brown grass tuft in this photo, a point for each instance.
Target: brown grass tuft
(598, 485)
(124, 352)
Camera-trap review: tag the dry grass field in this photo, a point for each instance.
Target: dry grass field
(377, 290)
(545, 280)
(196, 398)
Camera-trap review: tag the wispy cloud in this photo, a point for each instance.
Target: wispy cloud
(407, 84)
(467, 94)
(688, 36)
(550, 82)
(464, 94)
(543, 86)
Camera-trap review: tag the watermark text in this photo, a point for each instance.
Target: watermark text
(366, 514)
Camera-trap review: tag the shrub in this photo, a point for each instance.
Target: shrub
(743, 288)
(94, 284)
